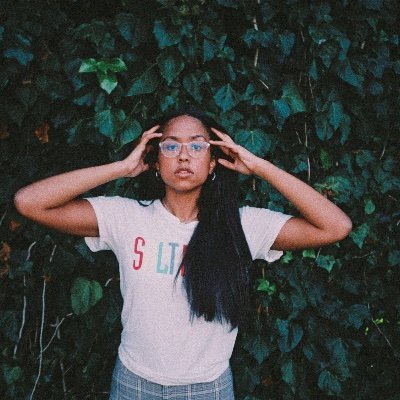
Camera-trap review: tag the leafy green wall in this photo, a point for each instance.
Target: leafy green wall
(313, 85)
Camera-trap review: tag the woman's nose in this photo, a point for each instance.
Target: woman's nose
(183, 154)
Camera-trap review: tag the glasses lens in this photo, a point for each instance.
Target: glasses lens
(170, 149)
(196, 149)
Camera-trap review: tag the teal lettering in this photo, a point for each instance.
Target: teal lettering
(161, 269)
(172, 262)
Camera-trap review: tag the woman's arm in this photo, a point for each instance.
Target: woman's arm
(321, 221)
(53, 201)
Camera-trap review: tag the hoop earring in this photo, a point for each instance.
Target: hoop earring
(214, 176)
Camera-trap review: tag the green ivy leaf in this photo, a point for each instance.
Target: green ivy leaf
(369, 207)
(364, 158)
(282, 111)
(329, 383)
(287, 257)
(394, 257)
(345, 128)
(313, 71)
(108, 81)
(346, 73)
(8, 325)
(146, 83)
(326, 160)
(396, 67)
(344, 45)
(132, 28)
(292, 96)
(257, 348)
(192, 86)
(290, 335)
(11, 374)
(166, 36)
(325, 262)
(373, 4)
(323, 128)
(210, 49)
(263, 285)
(254, 140)
(310, 253)
(116, 65)
(359, 234)
(286, 42)
(226, 97)
(375, 88)
(24, 57)
(107, 122)
(228, 3)
(131, 132)
(84, 295)
(335, 114)
(289, 374)
(357, 314)
(339, 357)
(88, 65)
(170, 65)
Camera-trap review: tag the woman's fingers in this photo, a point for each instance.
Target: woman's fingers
(226, 163)
(229, 145)
(222, 135)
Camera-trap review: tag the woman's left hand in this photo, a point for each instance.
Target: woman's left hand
(244, 161)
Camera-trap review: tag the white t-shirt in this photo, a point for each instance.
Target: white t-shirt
(159, 342)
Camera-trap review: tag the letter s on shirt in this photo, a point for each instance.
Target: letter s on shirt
(137, 265)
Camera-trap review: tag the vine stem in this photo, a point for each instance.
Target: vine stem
(3, 216)
(56, 332)
(42, 327)
(379, 329)
(25, 302)
(255, 25)
(40, 338)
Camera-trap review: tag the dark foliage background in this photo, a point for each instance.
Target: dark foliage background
(312, 85)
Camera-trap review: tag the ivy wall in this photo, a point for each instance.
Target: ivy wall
(311, 85)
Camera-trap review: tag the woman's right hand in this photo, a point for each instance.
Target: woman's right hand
(134, 164)
(55, 201)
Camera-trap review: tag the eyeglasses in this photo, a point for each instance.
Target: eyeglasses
(196, 149)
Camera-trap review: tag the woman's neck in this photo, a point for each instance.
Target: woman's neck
(182, 205)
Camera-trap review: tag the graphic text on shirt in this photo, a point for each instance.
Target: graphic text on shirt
(165, 258)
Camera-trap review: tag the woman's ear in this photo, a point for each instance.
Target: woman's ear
(213, 163)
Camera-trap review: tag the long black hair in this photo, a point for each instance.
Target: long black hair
(217, 260)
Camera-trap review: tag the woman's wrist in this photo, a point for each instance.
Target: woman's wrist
(121, 169)
(261, 168)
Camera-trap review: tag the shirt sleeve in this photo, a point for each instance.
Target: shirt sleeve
(109, 212)
(261, 227)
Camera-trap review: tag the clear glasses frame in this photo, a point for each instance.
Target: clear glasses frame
(171, 148)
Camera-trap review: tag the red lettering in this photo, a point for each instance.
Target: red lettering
(182, 271)
(140, 253)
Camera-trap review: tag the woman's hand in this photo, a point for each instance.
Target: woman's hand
(321, 221)
(244, 161)
(134, 164)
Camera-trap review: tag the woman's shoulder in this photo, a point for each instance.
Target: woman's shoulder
(254, 215)
(120, 203)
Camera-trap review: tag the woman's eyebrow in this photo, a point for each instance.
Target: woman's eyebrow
(190, 137)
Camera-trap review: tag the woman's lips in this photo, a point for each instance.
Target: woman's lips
(183, 172)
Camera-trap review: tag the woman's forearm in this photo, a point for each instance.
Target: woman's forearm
(53, 201)
(57, 190)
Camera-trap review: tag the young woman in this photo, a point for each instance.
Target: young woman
(185, 256)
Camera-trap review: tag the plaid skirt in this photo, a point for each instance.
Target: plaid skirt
(128, 386)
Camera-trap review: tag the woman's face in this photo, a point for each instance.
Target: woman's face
(185, 173)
